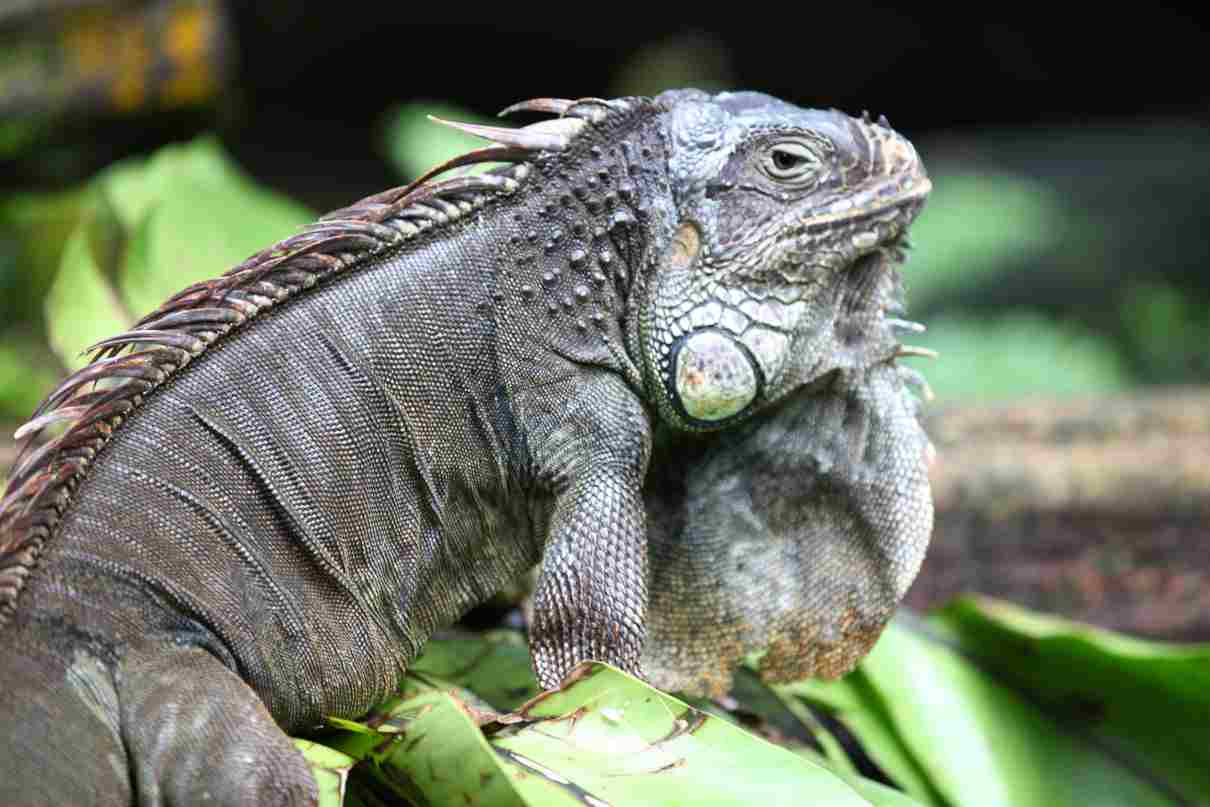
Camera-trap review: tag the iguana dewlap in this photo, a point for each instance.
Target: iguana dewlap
(288, 477)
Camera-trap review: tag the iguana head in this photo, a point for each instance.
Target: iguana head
(789, 226)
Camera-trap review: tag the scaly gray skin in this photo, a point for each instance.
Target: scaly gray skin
(288, 477)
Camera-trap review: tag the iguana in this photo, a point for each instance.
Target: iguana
(268, 493)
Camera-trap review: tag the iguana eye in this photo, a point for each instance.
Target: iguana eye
(789, 162)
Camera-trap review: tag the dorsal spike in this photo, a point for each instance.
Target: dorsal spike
(551, 135)
(490, 154)
(915, 350)
(553, 106)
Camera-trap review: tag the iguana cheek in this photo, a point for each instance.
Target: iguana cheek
(714, 376)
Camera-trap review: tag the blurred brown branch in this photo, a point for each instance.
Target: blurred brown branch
(1099, 510)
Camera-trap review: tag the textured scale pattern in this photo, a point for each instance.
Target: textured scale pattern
(259, 503)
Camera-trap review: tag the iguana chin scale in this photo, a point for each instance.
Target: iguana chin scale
(288, 477)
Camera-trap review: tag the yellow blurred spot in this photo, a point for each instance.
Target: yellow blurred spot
(186, 42)
(108, 51)
(129, 90)
(119, 55)
(85, 38)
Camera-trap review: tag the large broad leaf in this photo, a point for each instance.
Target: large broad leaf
(426, 748)
(605, 738)
(152, 227)
(495, 666)
(612, 736)
(189, 214)
(849, 710)
(1144, 705)
(82, 305)
(875, 793)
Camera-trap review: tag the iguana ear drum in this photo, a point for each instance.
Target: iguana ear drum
(714, 377)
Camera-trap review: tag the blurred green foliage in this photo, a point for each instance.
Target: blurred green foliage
(1017, 354)
(25, 376)
(1167, 329)
(79, 266)
(413, 143)
(33, 229)
(972, 225)
(151, 227)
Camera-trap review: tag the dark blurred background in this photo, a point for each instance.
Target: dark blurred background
(1061, 264)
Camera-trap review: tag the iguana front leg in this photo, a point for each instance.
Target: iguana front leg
(591, 597)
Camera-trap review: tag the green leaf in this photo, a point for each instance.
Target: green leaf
(81, 306)
(154, 226)
(1145, 705)
(605, 735)
(433, 753)
(330, 768)
(135, 185)
(189, 214)
(984, 740)
(613, 737)
(876, 794)
(856, 707)
(495, 666)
